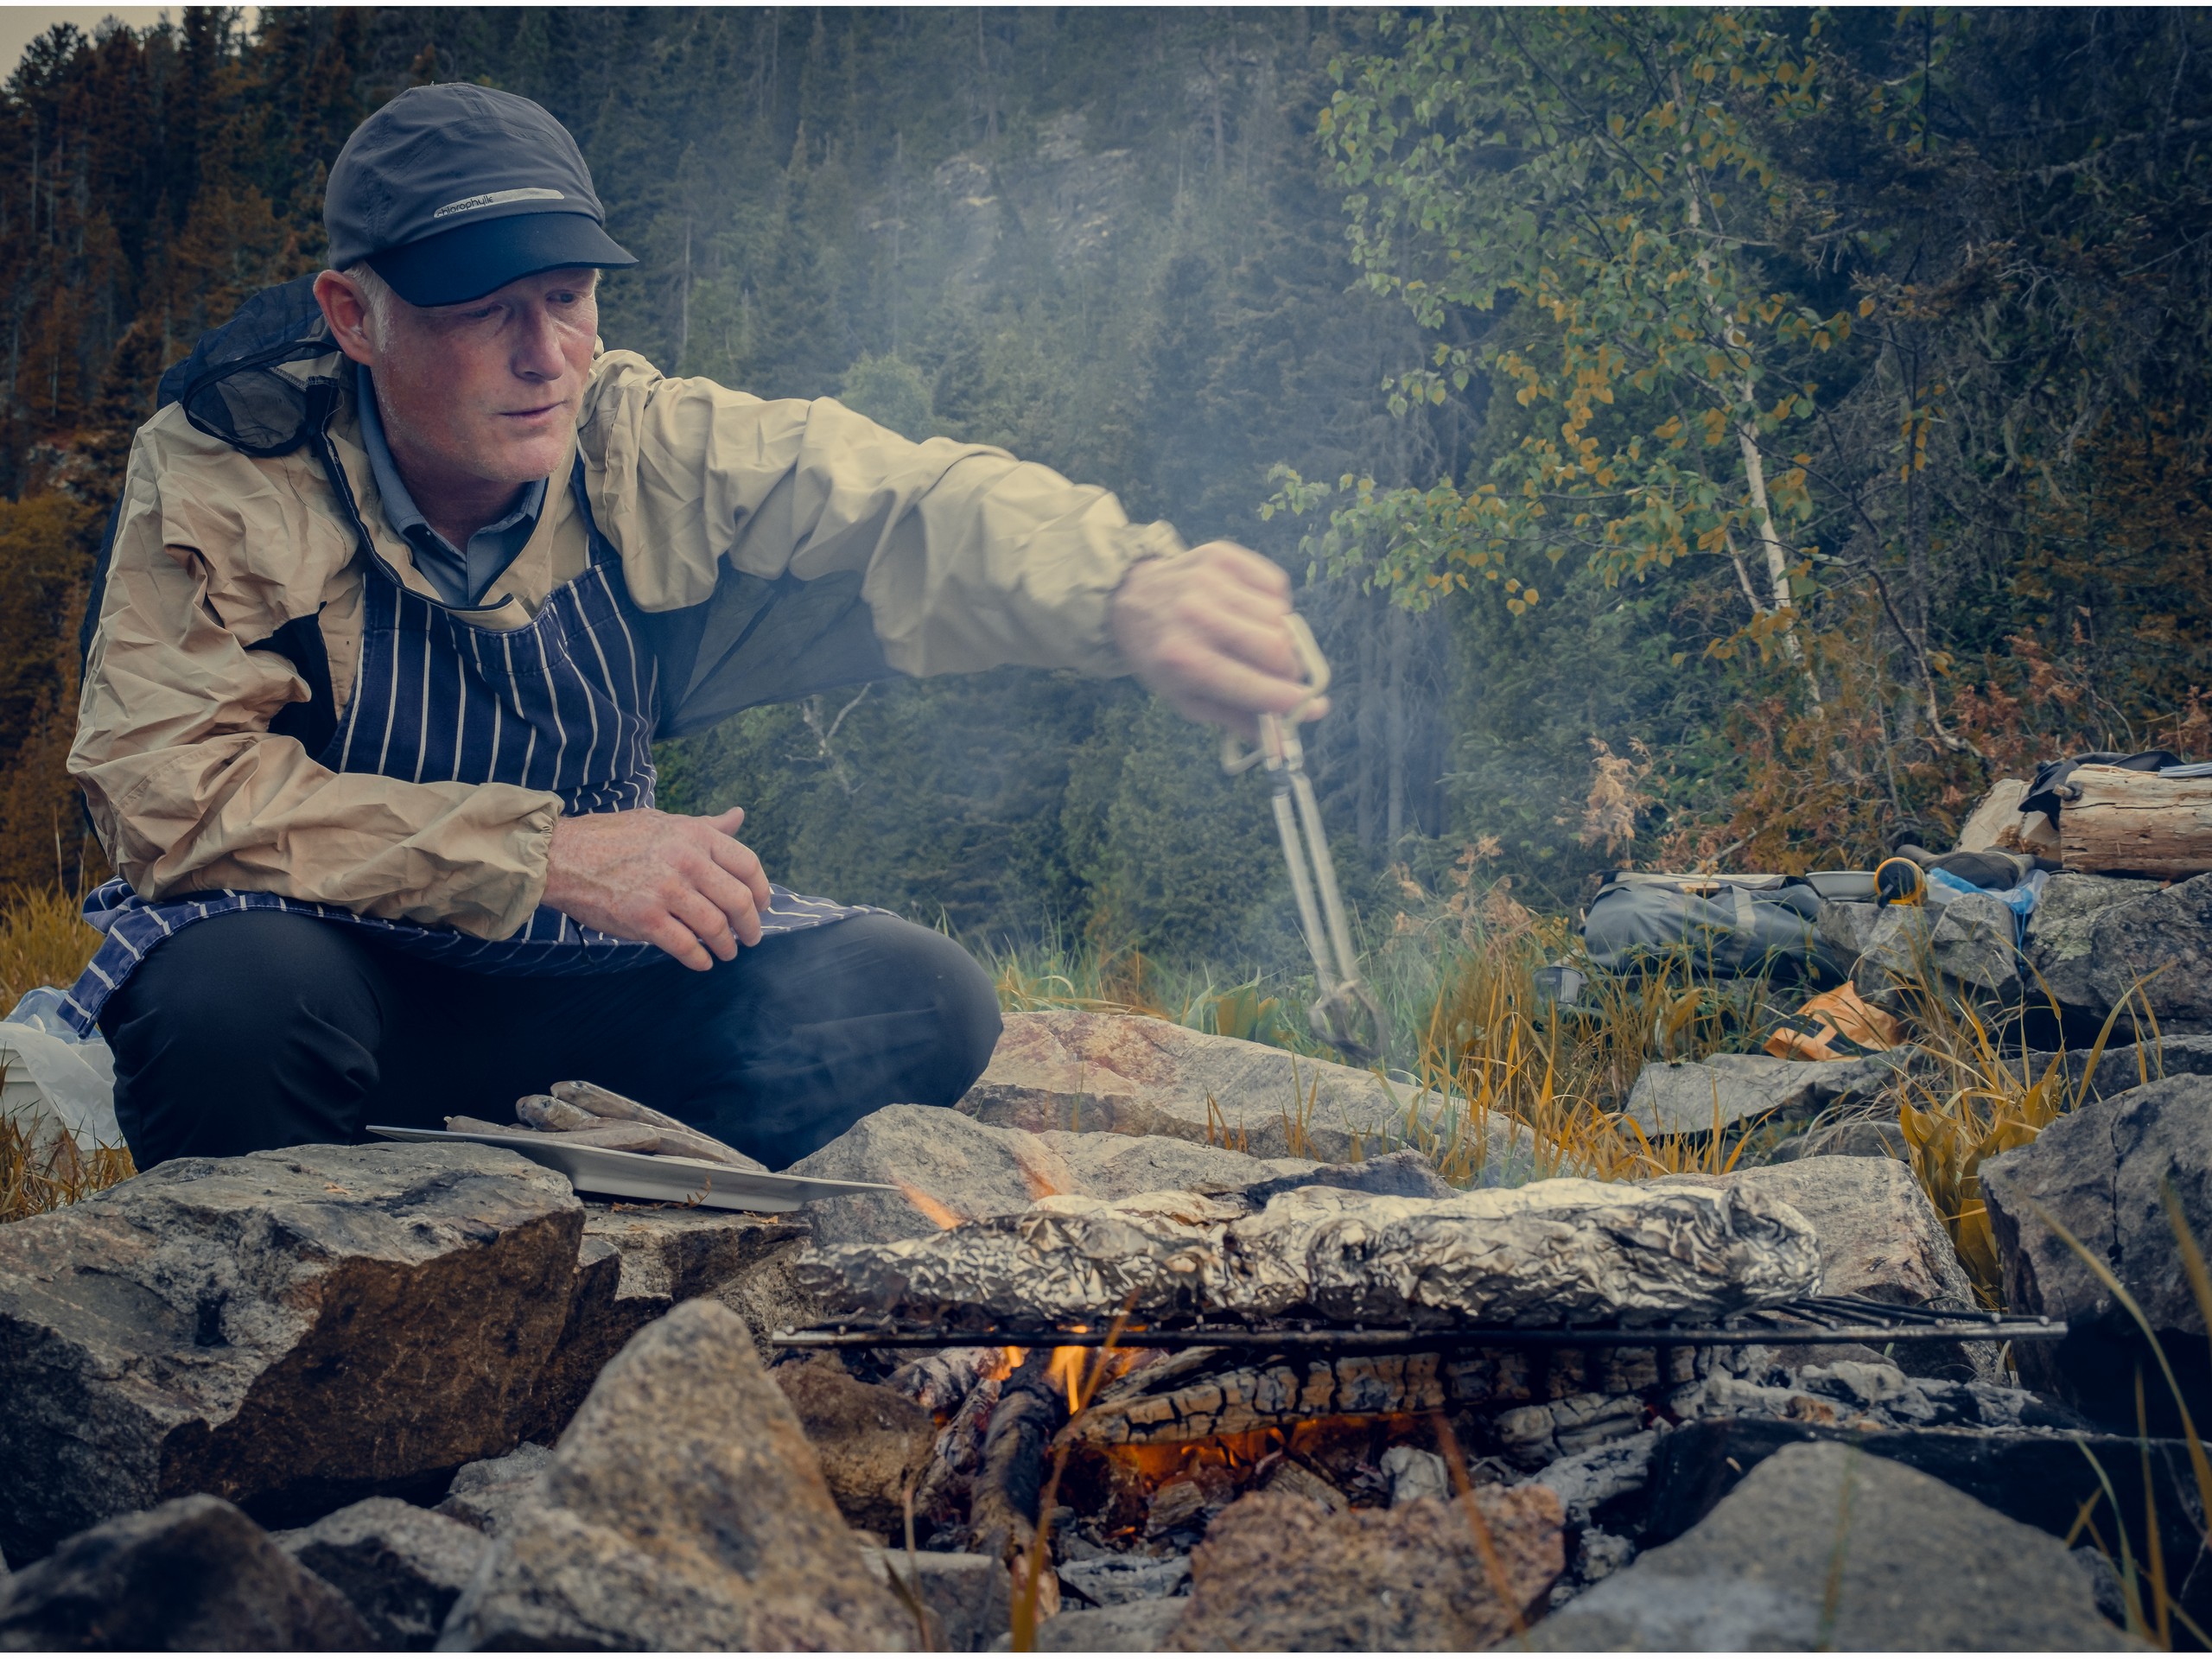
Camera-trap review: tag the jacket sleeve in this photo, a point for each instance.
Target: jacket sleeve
(970, 559)
(190, 791)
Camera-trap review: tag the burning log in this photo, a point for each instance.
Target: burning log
(1555, 1252)
(1002, 1510)
(1185, 1401)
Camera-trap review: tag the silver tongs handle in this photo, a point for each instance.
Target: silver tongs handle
(1346, 1015)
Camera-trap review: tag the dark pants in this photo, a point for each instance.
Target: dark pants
(259, 1029)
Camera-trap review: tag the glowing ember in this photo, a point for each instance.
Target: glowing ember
(939, 1213)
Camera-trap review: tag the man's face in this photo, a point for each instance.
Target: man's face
(489, 390)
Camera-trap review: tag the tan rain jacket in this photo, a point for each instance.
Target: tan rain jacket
(966, 559)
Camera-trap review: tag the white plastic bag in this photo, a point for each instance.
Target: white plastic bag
(56, 1083)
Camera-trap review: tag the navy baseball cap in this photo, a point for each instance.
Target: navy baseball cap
(451, 191)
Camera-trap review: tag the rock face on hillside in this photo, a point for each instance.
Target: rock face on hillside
(682, 1509)
(2101, 1172)
(2093, 937)
(1093, 1071)
(287, 1330)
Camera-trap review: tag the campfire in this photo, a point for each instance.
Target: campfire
(1113, 1375)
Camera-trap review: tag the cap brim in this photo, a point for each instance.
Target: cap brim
(470, 262)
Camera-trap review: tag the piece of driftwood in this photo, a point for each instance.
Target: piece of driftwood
(2124, 823)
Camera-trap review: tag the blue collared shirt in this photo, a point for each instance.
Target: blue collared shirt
(461, 578)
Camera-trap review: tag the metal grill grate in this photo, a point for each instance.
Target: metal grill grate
(1806, 1319)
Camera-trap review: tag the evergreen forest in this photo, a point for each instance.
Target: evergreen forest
(1696, 434)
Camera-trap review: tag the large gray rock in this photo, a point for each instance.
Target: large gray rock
(485, 1494)
(951, 1167)
(2125, 1065)
(1691, 1097)
(1879, 1238)
(1277, 1573)
(290, 1331)
(1826, 1546)
(684, 1510)
(2099, 1173)
(2091, 937)
(872, 1444)
(1892, 950)
(401, 1568)
(1126, 1627)
(192, 1573)
(633, 1265)
(1137, 1076)
(970, 1597)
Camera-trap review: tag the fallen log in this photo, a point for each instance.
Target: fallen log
(1002, 1510)
(2117, 821)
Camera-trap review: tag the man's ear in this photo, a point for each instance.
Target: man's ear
(346, 308)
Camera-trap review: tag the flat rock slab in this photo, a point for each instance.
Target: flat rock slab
(401, 1567)
(290, 1331)
(952, 1168)
(1827, 1546)
(192, 1573)
(1672, 1097)
(1279, 1573)
(2099, 1173)
(1136, 1076)
(682, 1509)
(2093, 937)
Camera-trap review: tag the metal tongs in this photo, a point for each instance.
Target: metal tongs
(1346, 1015)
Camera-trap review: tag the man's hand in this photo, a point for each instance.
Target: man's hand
(683, 884)
(1205, 630)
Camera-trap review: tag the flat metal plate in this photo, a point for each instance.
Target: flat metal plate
(648, 1175)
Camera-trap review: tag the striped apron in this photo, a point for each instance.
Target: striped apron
(567, 704)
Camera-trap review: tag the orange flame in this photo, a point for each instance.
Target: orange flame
(1039, 1184)
(941, 1214)
(1065, 1368)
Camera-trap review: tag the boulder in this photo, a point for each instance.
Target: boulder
(1111, 1580)
(1826, 1546)
(290, 1331)
(2097, 1173)
(1691, 1096)
(1891, 949)
(952, 1168)
(484, 1494)
(1136, 1076)
(1879, 1238)
(872, 1444)
(401, 1568)
(1126, 1627)
(2123, 1066)
(2091, 937)
(968, 1597)
(192, 1573)
(634, 1264)
(682, 1509)
(2039, 1479)
(1276, 1572)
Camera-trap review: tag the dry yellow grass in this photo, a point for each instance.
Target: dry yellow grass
(43, 941)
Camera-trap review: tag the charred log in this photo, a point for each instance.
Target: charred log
(1002, 1510)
